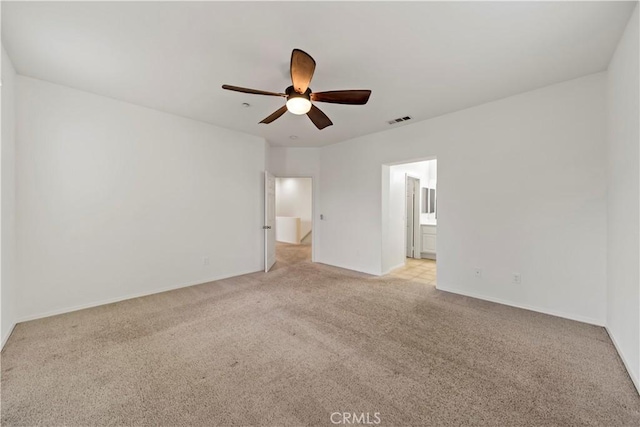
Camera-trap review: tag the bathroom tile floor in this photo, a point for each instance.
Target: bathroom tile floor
(419, 270)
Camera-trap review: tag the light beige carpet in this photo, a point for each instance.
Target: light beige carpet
(295, 345)
(288, 254)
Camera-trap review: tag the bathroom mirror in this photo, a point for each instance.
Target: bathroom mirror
(428, 200)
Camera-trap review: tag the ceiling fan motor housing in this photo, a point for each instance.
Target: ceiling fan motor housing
(291, 93)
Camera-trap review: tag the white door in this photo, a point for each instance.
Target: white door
(413, 217)
(269, 221)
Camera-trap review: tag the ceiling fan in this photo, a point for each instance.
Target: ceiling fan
(299, 95)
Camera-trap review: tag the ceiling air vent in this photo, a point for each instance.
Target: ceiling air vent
(399, 119)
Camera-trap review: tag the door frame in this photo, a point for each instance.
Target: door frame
(417, 244)
(267, 227)
(314, 233)
(389, 248)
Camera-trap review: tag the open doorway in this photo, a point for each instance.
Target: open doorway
(294, 220)
(412, 217)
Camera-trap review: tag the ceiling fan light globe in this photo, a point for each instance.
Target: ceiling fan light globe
(298, 105)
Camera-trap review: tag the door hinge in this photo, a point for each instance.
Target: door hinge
(266, 227)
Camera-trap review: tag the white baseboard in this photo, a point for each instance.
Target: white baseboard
(126, 297)
(393, 268)
(569, 316)
(5, 338)
(635, 381)
(346, 267)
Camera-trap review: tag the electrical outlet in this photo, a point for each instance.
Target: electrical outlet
(478, 272)
(516, 278)
(205, 260)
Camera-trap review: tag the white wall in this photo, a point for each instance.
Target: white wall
(288, 229)
(521, 188)
(431, 182)
(7, 215)
(623, 268)
(292, 161)
(116, 200)
(294, 199)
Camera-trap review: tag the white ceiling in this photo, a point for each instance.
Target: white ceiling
(419, 59)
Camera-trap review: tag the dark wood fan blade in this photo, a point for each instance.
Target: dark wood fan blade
(302, 68)
(352, 97)
(319, 118)
(251, 91)
(275, 115)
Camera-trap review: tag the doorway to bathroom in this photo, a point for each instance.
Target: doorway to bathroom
(411, 248)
